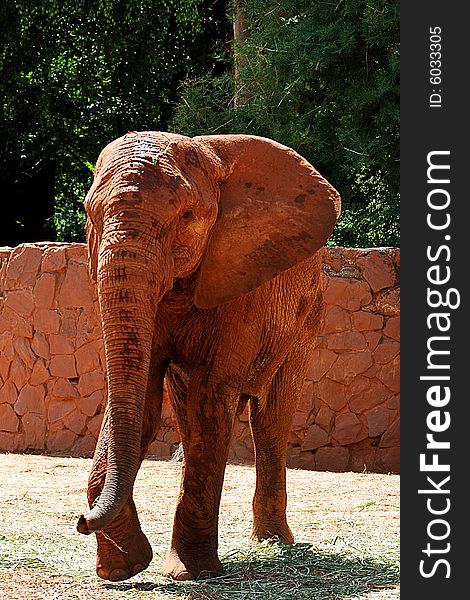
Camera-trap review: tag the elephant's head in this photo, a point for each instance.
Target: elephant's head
(236, 209)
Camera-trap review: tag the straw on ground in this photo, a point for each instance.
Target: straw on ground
(346, 527)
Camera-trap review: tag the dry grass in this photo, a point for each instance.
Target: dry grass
(346, 526)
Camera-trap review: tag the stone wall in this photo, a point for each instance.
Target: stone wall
(52, 386)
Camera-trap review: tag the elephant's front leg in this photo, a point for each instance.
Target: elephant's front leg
(205, 421)
(122, 548)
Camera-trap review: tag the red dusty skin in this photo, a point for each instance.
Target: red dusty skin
(230, 227)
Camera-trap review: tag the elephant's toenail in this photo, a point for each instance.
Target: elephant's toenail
(138, 568)
(118, 575)
(183, 576)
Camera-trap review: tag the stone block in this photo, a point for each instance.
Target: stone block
(299, 420)
(68, 324)
(378, 270)
(63, 365)
(293, 453)
(336, 319)
(389, 375)
(379, 419)
(347, 429)
(387, 302)
(39, 373)
(5, 252)
(44, 291)
(372, 339)
(92, 404)
(75, 291)
(386, 352)
(46, 321)
(34, 426)
(372, 371)
(54, 259)
(332, 459)
(94, 425)
(9, 420)
(4, 369)
(10, 442)
(351, 294)
(392, 328)
(363, 456)
(347, 340)
(84, 446)
(11, 321)
(391, 438)
(325, 418)
(160, 449)
(241, 453)
(40, 345)
(320, 362)
(315, 438)
(61, 344)
(88, 357)
(365, 393)
(332, 393)
(77, 252)
(295, 437)
(301, 460)
(20, 301)
(335, 258)
(90, 382)
(305, 402)
(366, 321)
(22, 267)
(393, 403)
(75, 421)
(6, 345)
(22, 348)
(60, 440)
(349, 365)
(19, 374)
(388, 460)
(31, 400)
(88, 328)
(8, 392)
(171, 436)
(63, 388)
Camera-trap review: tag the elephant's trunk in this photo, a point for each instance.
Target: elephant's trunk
(128, 291)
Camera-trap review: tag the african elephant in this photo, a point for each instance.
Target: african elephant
(205, 254)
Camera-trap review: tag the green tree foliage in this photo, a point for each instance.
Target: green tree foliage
(323, 78)
(76, 74)
(318, 76)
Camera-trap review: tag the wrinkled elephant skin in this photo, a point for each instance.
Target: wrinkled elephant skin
(206, 254)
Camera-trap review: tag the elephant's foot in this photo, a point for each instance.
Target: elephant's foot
(123, 549)
(191, 566)
(272, 529)
(117, 561)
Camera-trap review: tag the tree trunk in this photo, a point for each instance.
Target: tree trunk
(240, 35)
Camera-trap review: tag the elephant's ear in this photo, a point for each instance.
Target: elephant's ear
(275, 210)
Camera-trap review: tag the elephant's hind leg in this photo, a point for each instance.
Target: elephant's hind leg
(270, 420)
(123, 550)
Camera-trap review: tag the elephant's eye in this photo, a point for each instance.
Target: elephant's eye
(187, 215)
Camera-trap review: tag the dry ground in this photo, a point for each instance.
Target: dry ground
(346, 527)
